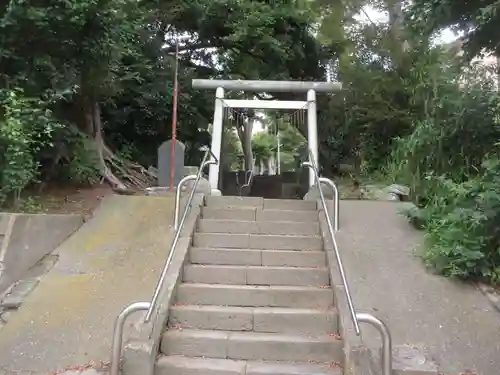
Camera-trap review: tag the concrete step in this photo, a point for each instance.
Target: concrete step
(289, 204)
(242, 213)
(253, 213)
(255, 257)
(271, 204)
(258, 227)
(252, 345)
(257, 241)
(255, 275)
(258, 319)
(180, 365)
(256, 296)
(286, 215)
(233, 201)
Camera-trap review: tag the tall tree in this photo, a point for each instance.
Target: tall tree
(75, 49)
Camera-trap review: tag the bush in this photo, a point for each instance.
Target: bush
(452, 145)
(34, 144)
(82, 164)
(26, 128)
(463, 226)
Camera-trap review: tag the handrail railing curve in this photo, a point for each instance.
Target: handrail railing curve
(336, 198)
(248, 178)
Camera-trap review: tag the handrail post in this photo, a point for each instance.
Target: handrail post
(178, 193)
(386, 360)
(116, 346)
(336, 198)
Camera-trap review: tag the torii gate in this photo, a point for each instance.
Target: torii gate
(263, 86)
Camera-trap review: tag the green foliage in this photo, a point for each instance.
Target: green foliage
(293, 143)
(458, 127)
(263, 146)
(479, 19)
(82, 166)
(26, 130)
(117, 56)
(293, 146)
(423, 118)
(29, 205)
(450, 162)
(462, 226)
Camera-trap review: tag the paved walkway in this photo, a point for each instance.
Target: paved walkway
(455, 321)
(111, 261)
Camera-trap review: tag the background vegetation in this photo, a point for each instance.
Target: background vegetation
(86, 94)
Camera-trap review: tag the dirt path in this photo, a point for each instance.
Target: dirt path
(63, 200)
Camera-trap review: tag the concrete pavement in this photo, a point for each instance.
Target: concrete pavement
(111, 261)
(453, 320)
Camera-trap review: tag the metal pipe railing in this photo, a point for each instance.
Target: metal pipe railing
(178, 229)
(312, 165)
(116, 345)
(386, 360)
(178, 194)
(336, 198)
(248, 180)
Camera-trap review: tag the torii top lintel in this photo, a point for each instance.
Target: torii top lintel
(266, 86)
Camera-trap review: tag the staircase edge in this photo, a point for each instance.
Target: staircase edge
(142, 349)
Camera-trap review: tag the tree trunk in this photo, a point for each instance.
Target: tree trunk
(90, 124)
(245, 135)
(106, 172)
(399, 44)
(92, 127)
(248, 145)
(396, 20)
(498, 72)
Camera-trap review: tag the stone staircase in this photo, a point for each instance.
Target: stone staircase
(255, 298)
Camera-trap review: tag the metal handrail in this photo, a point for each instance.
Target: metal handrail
(178, 194)
(116, 346)
(312, 165)
(178, 226)
(335, 199)
(386, 360)
(248, 181)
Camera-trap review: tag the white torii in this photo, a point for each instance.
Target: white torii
(262, 86)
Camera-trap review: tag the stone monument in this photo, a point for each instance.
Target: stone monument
(164, 156)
